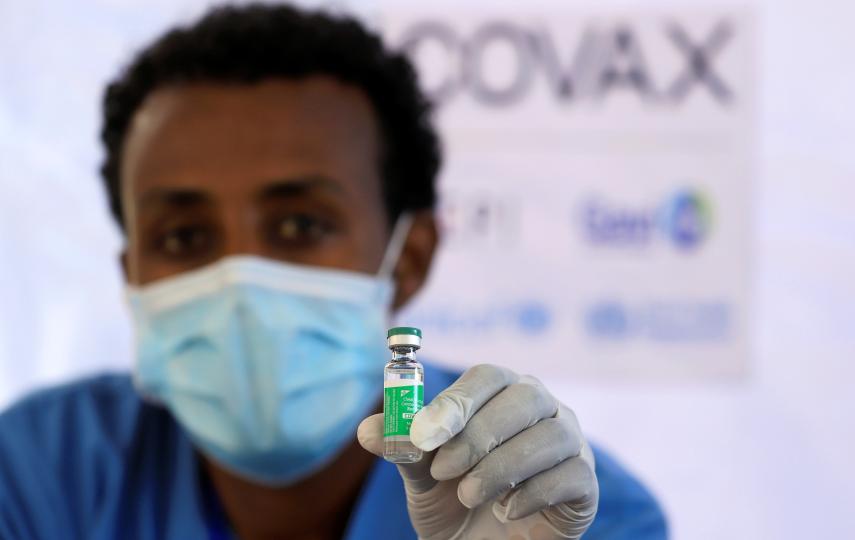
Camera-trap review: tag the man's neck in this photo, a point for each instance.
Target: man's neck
(316, 508)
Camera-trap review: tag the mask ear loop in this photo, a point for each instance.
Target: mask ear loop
(396, 244)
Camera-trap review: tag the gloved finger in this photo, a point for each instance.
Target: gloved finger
(517, 407)
(416, 476)
(567, 494)
(446, 415)
(537, 449)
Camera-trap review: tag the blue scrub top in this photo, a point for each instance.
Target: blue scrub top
(91, 460)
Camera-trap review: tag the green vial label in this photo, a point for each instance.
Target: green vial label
(400, 403)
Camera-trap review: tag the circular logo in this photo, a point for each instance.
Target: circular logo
(607, 319)
(533, 317)
(686, 219)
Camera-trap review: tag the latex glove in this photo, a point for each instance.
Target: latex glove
(504, 459)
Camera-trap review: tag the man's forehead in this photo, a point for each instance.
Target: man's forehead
(317, 95)
(315, 127)
(281, 188)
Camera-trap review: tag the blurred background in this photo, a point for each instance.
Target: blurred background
(650, 206)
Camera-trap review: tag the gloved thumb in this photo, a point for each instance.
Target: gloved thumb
(417, 478)
(370, 434)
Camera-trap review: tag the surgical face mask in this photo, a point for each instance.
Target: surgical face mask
(268, 366)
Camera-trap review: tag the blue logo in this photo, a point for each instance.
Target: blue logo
(684, 220)
(607, 320)
(526, 317)
(672, 321)
(533, 317)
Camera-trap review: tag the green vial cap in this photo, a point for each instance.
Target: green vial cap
(404, 335)
(404, 331)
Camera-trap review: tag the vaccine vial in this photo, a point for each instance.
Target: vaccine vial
(403, 394)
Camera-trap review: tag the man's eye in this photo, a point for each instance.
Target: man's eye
(185, 241)
(300, 228)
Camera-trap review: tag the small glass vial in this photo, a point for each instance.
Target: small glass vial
(403, 394)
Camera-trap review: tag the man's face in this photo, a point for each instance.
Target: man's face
(287, 170)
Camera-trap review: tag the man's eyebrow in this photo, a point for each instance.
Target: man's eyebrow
(296, 186)
(173, 196)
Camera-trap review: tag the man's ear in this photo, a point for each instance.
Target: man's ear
(416, 257)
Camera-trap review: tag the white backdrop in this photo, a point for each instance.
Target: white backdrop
(768, 456)
(596, 195)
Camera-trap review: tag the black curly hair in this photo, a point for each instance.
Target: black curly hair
(253, 42)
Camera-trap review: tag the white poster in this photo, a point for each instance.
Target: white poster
(596, 189)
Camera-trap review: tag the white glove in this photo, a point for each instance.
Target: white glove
(504, 459)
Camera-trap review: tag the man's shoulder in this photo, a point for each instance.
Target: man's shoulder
(627, 509)
(440, 373)
(96, 458)
(97, 415)
(103, 399)
(100, 386)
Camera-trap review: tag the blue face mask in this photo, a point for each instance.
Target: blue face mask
(269, 366)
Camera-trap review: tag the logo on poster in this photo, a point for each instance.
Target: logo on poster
(499, 61)
(683, 219)
(479, 219)
(667, 321)
(522, 317)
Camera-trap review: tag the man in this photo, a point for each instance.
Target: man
(273, 171)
